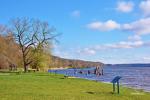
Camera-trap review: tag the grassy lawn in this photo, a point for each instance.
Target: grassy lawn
(44, 86)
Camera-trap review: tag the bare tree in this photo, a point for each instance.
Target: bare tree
(31, 34)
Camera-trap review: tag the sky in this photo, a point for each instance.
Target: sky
(110, 31)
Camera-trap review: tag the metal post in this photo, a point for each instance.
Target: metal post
(113, 87)
(55, 72)
(118, 86)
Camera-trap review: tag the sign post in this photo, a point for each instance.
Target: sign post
(114, 81)
(113, 87)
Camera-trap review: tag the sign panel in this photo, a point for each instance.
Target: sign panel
(116, 79)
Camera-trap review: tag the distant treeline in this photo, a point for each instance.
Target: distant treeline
(62, 62)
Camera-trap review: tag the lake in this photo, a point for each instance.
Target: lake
(135, 77)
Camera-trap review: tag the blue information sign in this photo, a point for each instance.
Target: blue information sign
(116, 80)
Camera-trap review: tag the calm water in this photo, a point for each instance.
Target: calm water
(135, 77)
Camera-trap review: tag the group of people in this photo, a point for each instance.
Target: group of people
(12, 67)
(97, 71)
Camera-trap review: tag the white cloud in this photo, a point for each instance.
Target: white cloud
(87, 51)
(125, 7)
(139, 27)
(134, 38)
(120, 45)
(125, 45)
(146, 58)
(145, 7)
(104, 26)
(76, 13)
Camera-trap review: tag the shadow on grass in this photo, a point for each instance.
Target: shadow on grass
(89, 92)
(106, 93)
(62, 78)
(42, 75)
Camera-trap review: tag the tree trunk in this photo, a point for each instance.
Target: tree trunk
(25, 66)
(25, 69)
(24, 62)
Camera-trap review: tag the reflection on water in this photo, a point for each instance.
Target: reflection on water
(136, 77)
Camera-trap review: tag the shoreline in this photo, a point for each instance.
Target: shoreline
(60, 68)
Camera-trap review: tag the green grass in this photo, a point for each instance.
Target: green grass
(44, 86)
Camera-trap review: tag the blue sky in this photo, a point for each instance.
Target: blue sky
(111, 31)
